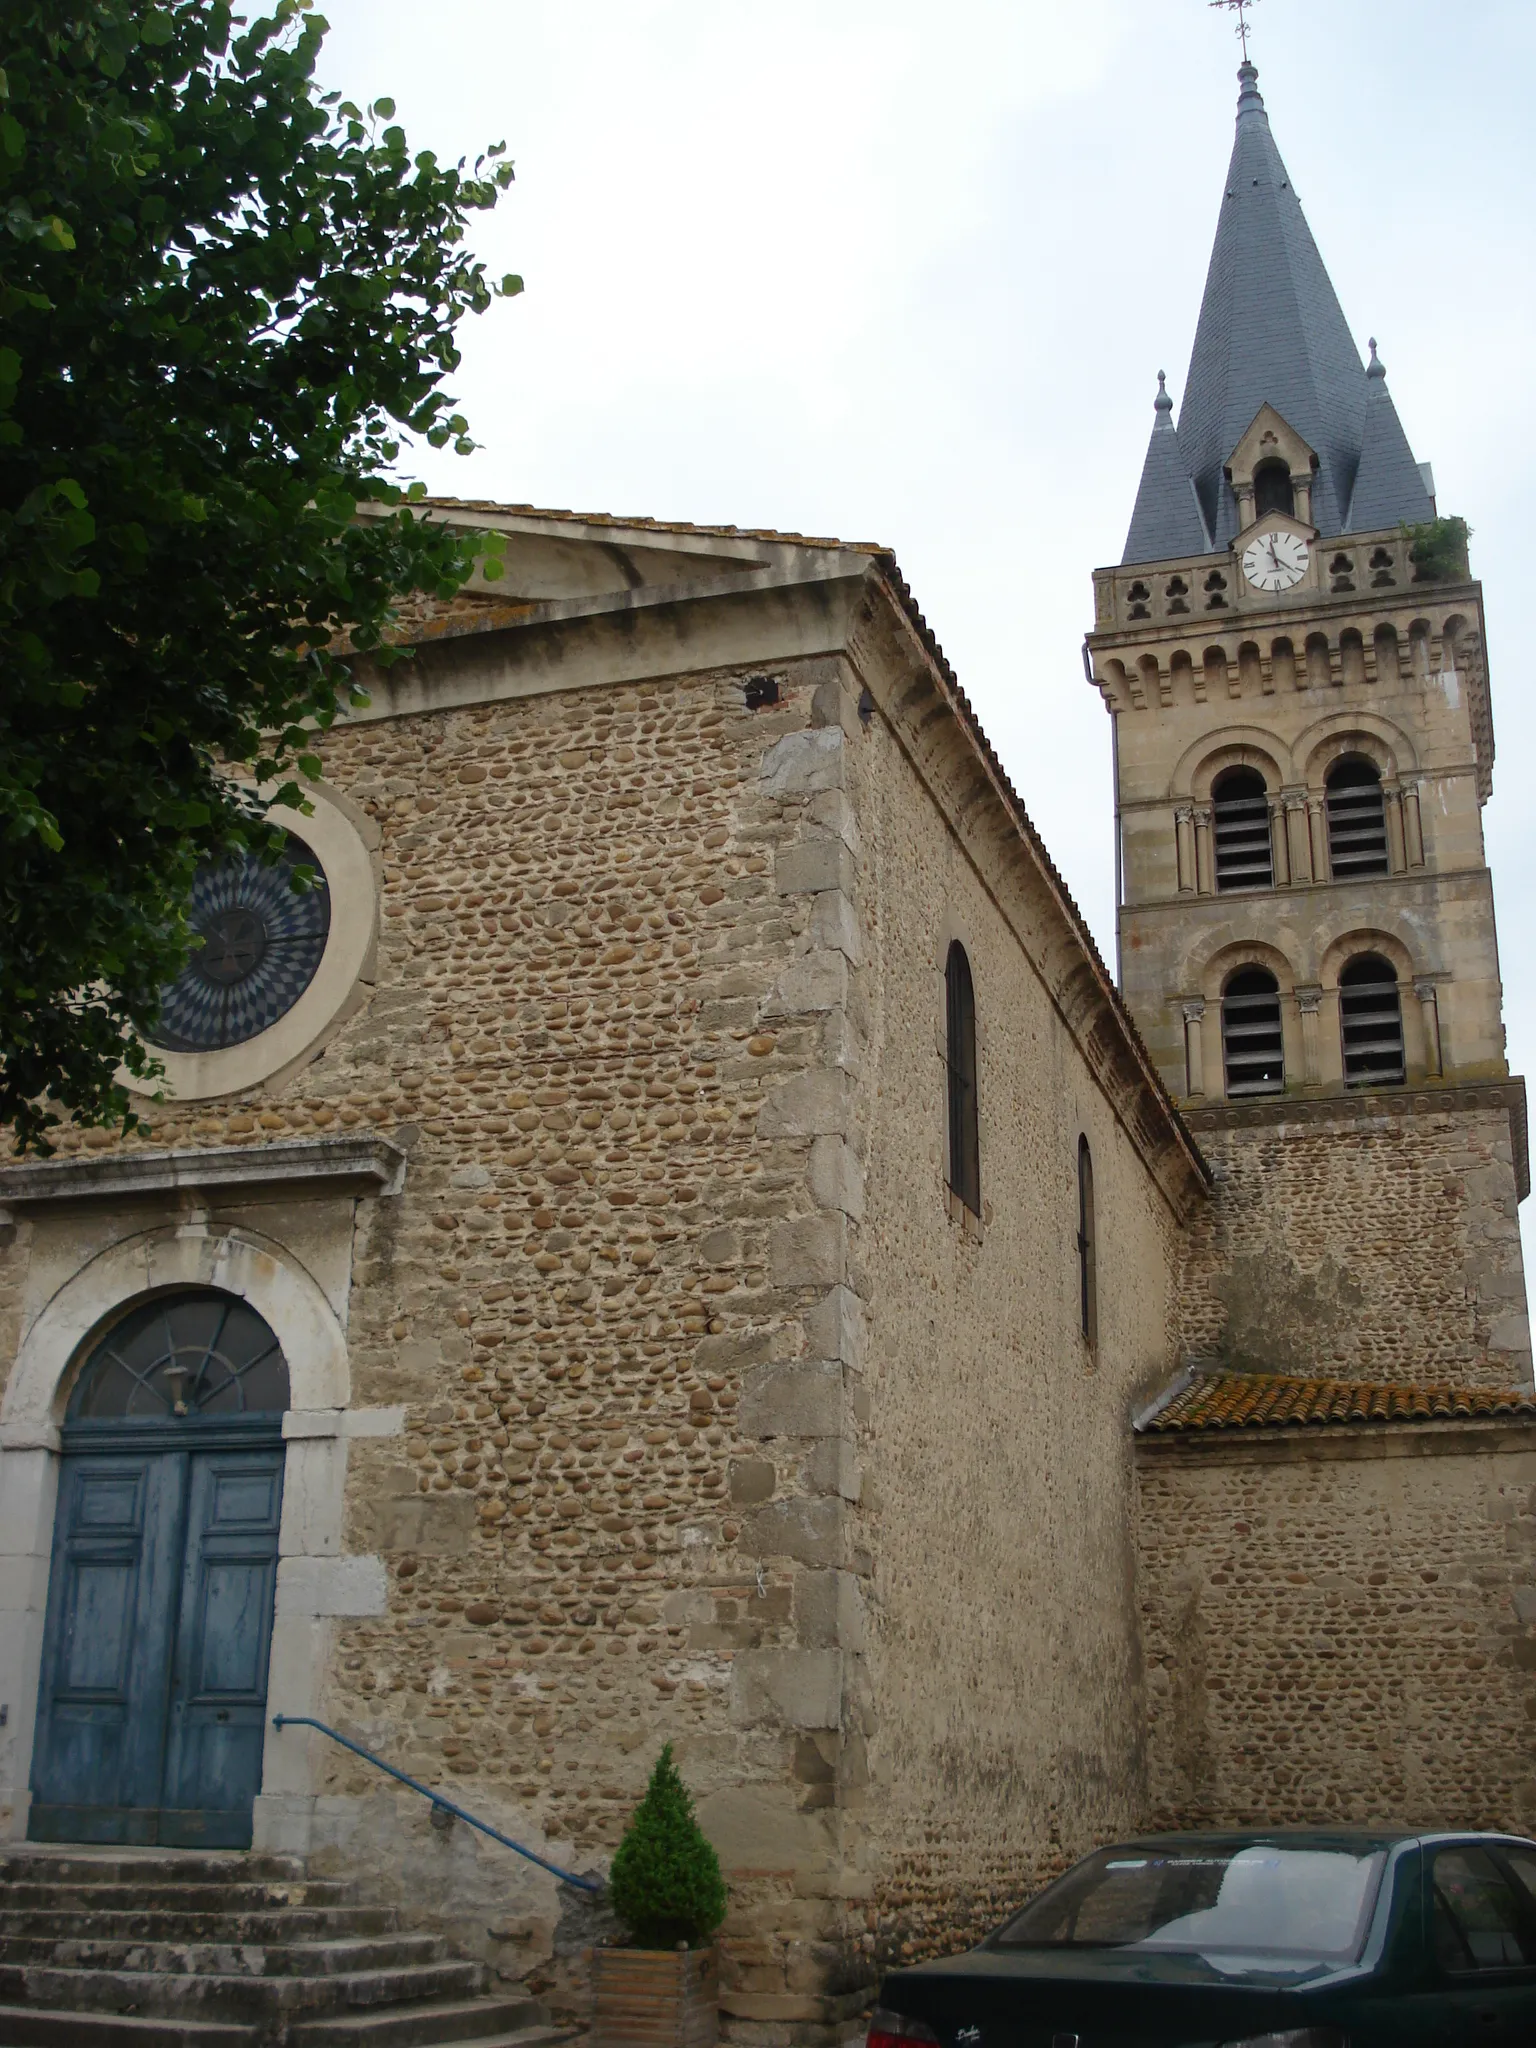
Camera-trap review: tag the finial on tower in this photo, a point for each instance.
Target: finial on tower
(1240, 9)
(1162, 405)
(1375, 367)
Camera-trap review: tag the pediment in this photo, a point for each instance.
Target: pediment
(1272, 522)
(568, 558)
(1270, 437)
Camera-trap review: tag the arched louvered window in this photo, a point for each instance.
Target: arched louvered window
(1252, 1046)
(1272, 489)
(1240, 818)
(1357, 820)
(1371, 1024)
(960, 1055)
(196, 1353)
(1087, 1246)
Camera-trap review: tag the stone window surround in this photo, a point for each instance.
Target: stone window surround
(339, 837)
(316, 1583)
(1296, 782)
(1309, 1013)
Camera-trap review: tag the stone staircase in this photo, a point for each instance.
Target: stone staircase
(115, 1948)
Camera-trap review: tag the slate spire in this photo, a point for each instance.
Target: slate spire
(1271, 330)
(1166, 521)
(1389, 484)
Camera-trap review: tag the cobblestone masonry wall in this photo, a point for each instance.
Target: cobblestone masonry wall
(1382, 1247)
(608, 1280)
(1335, 1638)
(1004, 1705)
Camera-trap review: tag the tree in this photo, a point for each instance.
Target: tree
(665, 1882)
(226, 300)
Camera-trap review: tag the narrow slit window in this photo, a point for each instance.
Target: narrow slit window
(1252, 1045)
(1240, 817)
(1371, 1022)
(1357, 820)
(1087, 1247)
(960, 1052)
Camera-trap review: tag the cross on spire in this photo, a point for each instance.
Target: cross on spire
(1240, 8)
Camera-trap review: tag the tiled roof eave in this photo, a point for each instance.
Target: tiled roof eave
(1274, 1407)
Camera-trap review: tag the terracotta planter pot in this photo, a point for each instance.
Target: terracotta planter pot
(655, 1998)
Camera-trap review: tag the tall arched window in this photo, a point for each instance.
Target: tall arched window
(1371, 1024)
(1357, 820)
(1251, 1043)
(1087, 1247)
(1272, 489)
(960, 1056)
(1240, 818)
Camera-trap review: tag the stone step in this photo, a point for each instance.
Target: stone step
(255, 2000)
(36, 2027)
(276, 1923)
(448, 2023)
(222, 1957)
(146, 1866)
(178, 1898)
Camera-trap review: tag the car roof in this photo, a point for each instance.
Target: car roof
(1357, 1838)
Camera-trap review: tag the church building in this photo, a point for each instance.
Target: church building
(680, 1237)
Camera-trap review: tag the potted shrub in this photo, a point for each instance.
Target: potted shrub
(663, 1990)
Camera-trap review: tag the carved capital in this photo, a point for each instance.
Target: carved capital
(1194, 1010)
(1309, 1001)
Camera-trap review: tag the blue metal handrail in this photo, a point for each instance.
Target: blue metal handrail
(586, 1884)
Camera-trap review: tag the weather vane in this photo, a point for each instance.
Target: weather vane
(1240, 8)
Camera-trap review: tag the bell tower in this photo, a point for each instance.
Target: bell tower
(1292, 651)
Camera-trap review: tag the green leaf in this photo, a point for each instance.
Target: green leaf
(239, 297)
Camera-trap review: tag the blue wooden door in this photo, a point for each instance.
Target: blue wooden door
(117, 1563)
(152, 1703)
(223, 1639)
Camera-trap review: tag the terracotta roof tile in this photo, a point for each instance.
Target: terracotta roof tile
(1240, 1400)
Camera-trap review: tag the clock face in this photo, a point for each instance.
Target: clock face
(1276, 561)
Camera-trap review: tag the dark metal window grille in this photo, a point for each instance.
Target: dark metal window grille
(1357, 821)
(1087, 1246)
(197, 1353)
(1240, 817)
(1252, 1045)
(960, 1055)
(1371, 1021)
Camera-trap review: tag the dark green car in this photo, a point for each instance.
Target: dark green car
(1284, 1940)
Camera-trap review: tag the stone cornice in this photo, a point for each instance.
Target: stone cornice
(356, 1166)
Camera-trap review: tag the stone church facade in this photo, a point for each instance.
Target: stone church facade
(718, 1259)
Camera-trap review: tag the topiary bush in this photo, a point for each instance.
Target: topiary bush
(665, 1883)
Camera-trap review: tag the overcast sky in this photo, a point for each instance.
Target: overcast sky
(907, 272)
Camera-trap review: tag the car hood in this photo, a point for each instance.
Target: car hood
(1130, 1967)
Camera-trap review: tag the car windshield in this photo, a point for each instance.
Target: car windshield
(1265, 1899)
